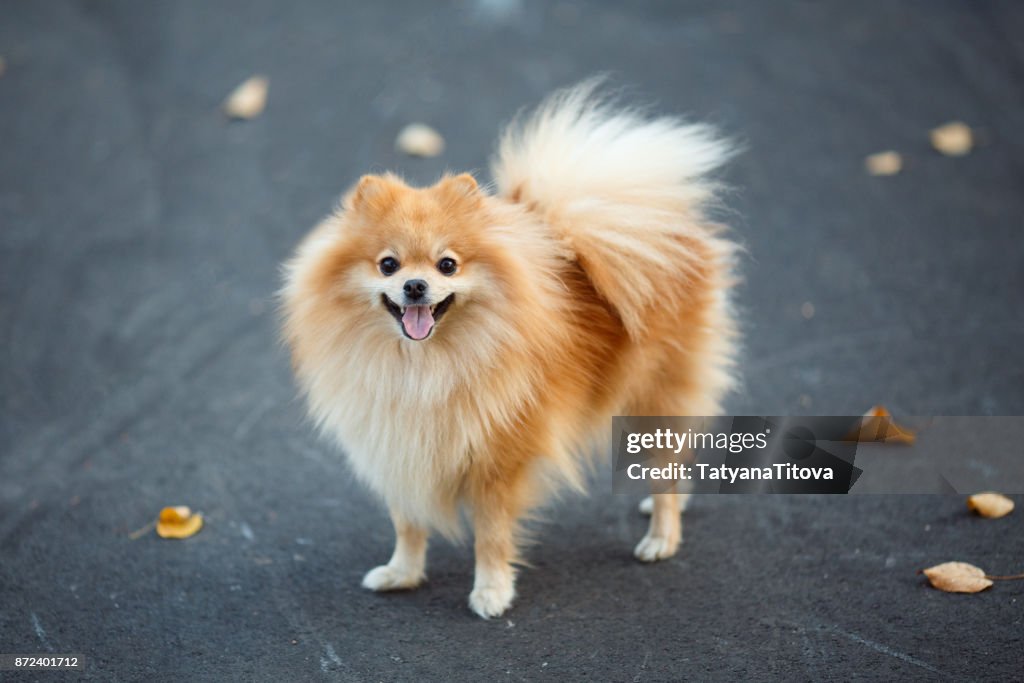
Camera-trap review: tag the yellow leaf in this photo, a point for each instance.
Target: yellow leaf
(877, 425)
(957, 577)
(248, 99)
(953, 139)
(884, 163)
(419, 140)
(990, 504)
(178, 522)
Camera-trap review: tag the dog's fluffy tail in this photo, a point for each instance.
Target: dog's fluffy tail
(628, 193)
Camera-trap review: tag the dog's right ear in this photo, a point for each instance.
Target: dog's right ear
(370, 192)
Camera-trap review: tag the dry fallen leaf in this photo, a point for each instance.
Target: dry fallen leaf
(957, 577)
(884, 163)
(419, 140)
(878, 425)
(990, 504)
(953, 139)
(248, 99)
(178, 522)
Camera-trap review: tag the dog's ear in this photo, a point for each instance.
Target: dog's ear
(371, 192)
(462, 186)
(464, 183)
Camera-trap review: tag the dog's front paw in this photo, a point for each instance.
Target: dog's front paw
(654, 548)
(491, 601)
(389, 578)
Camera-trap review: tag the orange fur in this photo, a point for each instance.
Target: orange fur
(589, 285)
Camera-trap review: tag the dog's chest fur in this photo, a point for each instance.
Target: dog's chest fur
(411, 426)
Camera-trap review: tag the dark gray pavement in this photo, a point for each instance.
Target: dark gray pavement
(140, 237)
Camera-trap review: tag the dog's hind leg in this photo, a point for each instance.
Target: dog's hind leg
(646, 506)
(665, 506)
(665, 532)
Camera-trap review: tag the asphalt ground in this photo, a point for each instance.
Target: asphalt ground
(140, 239)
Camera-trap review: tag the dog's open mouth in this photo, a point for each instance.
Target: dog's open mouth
(417, 322)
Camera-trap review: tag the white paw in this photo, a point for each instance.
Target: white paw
(654, 548)
(646, 506)
(491, 601)
(388, 578)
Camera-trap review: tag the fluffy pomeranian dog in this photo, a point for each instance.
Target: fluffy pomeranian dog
(466, 348)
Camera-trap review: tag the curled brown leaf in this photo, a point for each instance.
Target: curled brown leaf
(990, 504)
(419, 140)
(248, 100)
(883, 163)
(958, 577)
(878, 425)
(178, 522)
(954, 139)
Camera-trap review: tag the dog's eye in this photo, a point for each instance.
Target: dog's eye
(447, 266)
(388, 265)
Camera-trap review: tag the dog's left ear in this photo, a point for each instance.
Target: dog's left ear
(462, 186)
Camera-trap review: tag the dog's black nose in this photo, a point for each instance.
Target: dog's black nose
(415, 289)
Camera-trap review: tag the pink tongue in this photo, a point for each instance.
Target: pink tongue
(418, 321)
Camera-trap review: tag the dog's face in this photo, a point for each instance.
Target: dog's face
(415, 255)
